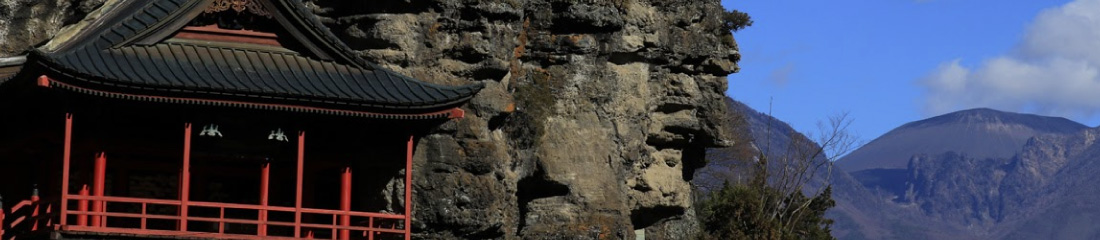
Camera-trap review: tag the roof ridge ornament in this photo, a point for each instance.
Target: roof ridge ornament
(240, 6)
(210, 130)
(278, 135)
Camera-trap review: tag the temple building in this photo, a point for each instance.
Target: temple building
(224, 119)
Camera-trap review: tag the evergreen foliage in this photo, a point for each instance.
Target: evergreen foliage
(739, 211)
(735, 20)
(778, 195)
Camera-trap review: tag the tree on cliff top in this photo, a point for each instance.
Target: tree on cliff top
(773, 203)
(734, 20)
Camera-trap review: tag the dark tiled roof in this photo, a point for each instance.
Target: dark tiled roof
(9, 66)
(105, 57)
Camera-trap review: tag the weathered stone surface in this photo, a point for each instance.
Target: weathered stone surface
(595, 114)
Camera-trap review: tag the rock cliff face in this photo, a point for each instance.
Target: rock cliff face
(594, 118)
(25, 23)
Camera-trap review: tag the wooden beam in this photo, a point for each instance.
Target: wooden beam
(67, 152)
(265, 176)
(345, 202)
(185, 177)
(298, 187)
(98, 182)
(408, 188)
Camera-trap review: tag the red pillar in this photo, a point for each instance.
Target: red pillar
(265, 175)
(298, 188)
(408, 188)
(82, 205)
(97, 188)
(185, 177)
(65, 168)
(345, 203)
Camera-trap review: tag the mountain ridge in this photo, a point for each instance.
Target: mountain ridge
(983, 114)
(1026, 180)
(981, 132)
(1031, 191)
(858, 214)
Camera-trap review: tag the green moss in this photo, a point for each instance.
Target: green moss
(538, 95)
(514, 3)
(620, 4)
(728, 40)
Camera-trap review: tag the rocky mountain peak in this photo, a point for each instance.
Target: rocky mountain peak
(980, 133)
(1000, 121)
(980, 173)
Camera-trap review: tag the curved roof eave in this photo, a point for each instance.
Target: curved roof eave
(126, 22)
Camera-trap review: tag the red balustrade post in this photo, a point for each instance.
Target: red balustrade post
(98, 183)
(345, 203)
(65, 168)
(34, 216)
(298, 188)
(144, 216)
(370, 224)
(2, 211)
(408, 188)
(82, 206)
(34, 205)
(221, 220)
(265, 175)
(49, 210)
(185, 177)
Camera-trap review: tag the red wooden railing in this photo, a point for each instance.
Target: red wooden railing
(35, 215)
(29, 216)
(373, 227)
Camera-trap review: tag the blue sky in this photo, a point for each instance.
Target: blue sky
(889, 62)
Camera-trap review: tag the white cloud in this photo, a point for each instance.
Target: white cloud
(781, 76)
(1070, 31)
(1055, 70)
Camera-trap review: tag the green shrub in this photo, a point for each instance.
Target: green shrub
(756, 211)
(735, 20)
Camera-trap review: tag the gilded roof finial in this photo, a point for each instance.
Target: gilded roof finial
(240, 6)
